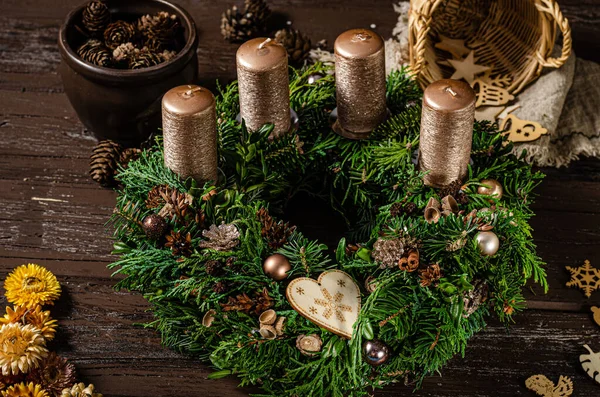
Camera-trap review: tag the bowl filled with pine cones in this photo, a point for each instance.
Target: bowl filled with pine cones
(119, 58)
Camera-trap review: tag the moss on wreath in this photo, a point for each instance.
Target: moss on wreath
(378, 188)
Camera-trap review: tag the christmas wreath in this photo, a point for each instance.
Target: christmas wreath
(418, 280)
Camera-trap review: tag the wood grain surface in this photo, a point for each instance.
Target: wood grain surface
(51, 213)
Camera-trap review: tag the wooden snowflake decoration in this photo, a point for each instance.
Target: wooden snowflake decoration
(585, 277)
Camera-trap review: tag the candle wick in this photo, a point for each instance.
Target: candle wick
(451, 91)
(264, 43)
(192, 90)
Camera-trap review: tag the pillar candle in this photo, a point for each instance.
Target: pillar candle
(446, 131)
(360, 82)
(190, 132)
(262, 68)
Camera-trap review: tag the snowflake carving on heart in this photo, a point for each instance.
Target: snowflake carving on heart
(332, 301)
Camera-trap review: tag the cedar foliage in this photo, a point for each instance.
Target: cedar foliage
(424, 326)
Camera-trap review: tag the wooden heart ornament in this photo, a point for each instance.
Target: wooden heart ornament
(332, 301)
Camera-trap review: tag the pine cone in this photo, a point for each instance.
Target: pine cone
(93, 51)
(476, 297)
(398, 209)
(220, 287)
(174, 203)
(276, 233)
(162, 28)
(158, 196)
(117, 33)
(145, 58)
(454, 189)
(263, 301)
(127, 155)
(180, 245)
(297, 45)
(430, 275)
(105, 161)
(239, 26)
(387, 252)
(96, 17)
(224, 237)
(213, 268)
(54, 374)
(79, 390)
(241, 303)
(123, 54)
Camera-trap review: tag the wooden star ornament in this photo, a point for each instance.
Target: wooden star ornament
(586, 278)
(456, 47)
(467, 69)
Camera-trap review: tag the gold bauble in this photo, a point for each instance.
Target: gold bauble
(488, 243)
(491, 188)
(276, 266)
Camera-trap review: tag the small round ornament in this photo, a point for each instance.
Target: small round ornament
(488, 243)
(155, 226)
(492, 188)
(276, 266)
(375, 352)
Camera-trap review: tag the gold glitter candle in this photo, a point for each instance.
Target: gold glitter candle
(446, 131)
(190, 132)
(262, 68)
(360, 83)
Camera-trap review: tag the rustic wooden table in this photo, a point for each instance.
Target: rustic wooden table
(51, 213)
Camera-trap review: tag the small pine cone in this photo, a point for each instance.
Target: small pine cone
(430, 275)
(398, 209)
(220, 287)
(117, 33)
(451, 189)
(123, 53)
(128, 155)
(158, 196)
(277, 234)
(263, 301)
(297, 45)
(93, 51)
(387, 252)
(180, 245)
(213, 268)
(104, 162)
(96, 17)
(155, 44)
(167, 55)
(145, 58)
(161, 26)
(239, 26)
(454, 189)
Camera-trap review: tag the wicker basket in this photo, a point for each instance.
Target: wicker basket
(514, 37)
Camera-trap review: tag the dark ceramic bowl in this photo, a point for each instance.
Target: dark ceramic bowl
(117, 104)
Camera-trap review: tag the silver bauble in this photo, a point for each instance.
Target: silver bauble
(488, 243)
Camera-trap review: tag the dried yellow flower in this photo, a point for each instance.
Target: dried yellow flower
(36, 317)
(79, 390)
(25, 390)
(21, 348)
(30, 285)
